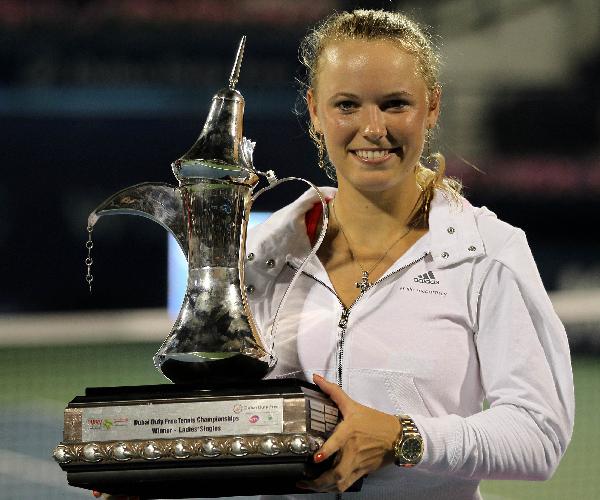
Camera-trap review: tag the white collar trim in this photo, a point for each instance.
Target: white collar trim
(453, 234)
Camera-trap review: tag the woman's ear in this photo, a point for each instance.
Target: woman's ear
(433, 112)
(311, 103)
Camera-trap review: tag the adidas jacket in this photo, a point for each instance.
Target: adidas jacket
(462, 317)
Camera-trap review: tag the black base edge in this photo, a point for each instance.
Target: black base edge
(196, 481)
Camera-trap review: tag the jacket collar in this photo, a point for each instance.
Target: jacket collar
(453, 229)
(453, 233)
(282, 237)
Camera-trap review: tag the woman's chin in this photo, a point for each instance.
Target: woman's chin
(375, 182)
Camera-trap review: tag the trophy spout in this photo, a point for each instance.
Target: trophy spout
(161, 203)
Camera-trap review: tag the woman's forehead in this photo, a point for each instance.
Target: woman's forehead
(355, 61)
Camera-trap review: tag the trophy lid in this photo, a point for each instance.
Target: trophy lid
(217, 153)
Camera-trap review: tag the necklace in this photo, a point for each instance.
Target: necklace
(364, 283)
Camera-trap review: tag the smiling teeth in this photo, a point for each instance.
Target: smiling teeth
(370, 154)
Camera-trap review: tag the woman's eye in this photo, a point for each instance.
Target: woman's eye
(395, 104)
(346, 105)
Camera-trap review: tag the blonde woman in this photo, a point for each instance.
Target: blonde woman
(419, 307)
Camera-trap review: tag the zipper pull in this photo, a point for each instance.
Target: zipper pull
(344, 319)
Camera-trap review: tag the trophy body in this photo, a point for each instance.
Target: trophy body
(213, 337)
(219, 421)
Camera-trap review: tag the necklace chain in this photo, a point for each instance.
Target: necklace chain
(364, 283)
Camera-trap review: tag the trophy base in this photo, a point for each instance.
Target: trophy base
(176, 441)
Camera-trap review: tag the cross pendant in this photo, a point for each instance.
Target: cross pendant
(364, 284)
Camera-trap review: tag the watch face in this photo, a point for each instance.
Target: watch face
(412, 449)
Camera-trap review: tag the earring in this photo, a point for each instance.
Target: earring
(430, 160)
(321, 151)
(324, 163)
(427, 148)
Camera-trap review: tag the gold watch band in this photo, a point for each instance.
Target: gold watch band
(408, 424)
(408, 448)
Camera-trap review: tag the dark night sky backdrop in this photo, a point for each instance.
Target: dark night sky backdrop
(93, 105)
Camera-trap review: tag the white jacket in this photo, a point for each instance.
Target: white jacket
(460, 318)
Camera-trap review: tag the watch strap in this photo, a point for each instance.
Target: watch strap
(409, 432)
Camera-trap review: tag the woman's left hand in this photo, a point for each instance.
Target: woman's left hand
(363, 441)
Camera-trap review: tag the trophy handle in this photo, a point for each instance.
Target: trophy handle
(273, 182)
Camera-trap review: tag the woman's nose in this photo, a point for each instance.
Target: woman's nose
(374, 126)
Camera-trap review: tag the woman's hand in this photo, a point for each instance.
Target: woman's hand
(363, 441)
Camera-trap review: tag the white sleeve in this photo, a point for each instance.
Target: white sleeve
(526, 376)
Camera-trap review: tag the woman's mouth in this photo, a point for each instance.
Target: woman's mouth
(373, 156)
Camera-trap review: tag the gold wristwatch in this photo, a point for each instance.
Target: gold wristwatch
(408, 448)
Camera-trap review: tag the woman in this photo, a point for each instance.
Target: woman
(419, 306)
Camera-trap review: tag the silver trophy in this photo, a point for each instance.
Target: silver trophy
(220, 421)
(214, 335)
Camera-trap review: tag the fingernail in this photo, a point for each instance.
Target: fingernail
(319, 457)
(97, 494)
(316, 375)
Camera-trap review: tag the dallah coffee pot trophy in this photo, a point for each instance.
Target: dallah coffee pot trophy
(219, 430)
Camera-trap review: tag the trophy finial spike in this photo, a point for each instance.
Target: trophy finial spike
(235, 72)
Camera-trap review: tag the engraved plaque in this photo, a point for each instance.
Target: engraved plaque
(173, 420)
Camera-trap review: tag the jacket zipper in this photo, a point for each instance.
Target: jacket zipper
(343, 322)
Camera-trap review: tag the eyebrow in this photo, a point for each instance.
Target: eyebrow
(344, 94)
(400, 93)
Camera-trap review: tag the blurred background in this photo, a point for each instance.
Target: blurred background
(99, 95)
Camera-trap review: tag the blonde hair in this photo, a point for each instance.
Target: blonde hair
(395, 27)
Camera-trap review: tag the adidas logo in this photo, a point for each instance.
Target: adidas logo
(427, 278)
